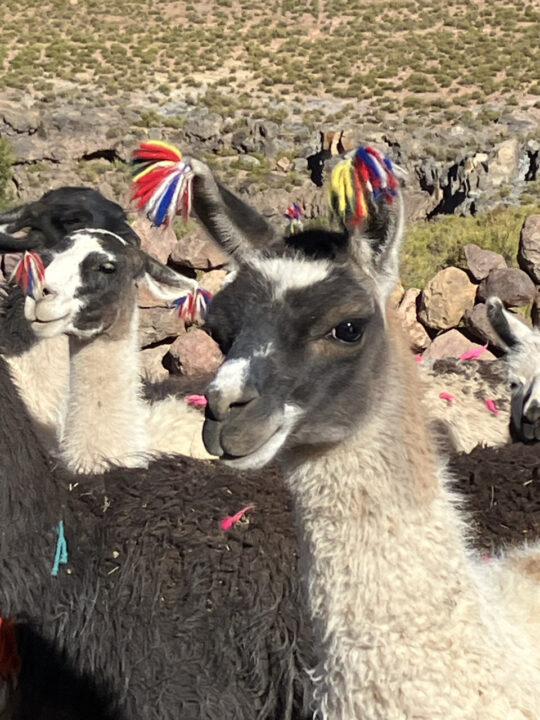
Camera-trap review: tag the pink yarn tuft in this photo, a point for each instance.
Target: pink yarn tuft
(419, 357)
(196, 400)
(490, 404)
(230, 520)
(473, 353)
(447, 396)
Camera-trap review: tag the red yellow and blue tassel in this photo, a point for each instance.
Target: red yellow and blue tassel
(29, 274)
(193, 306)
(359, 182)
(162, 182)
(294, 215)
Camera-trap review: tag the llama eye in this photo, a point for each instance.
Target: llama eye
(349, 331)
(107, 268)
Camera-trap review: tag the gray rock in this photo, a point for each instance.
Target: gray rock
(194, 353)
(157, 324)
(512, 285)
(419, 339)
(529, 247)
(454, 344)
(480, 327)
(196, 250)
(503, 166)
(480, 261)
(151, 360)
(446, 298)
(156, 241)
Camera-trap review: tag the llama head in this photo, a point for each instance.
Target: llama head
(59, 212)
(523, 363)
(90, 284)
(302, 326)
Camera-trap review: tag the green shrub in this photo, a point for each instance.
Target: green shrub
(7, 158)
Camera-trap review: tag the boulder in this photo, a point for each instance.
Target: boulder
(503, 166)
(512, 285)
(158, 242)
(480, 327)
(446, 298)
(194, 353)
(454, 344)
(196, 250)
(480, 261)
(529, 247)
(157, 324)
(419, 339)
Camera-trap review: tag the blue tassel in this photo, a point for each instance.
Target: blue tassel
(165, 203)
(61, 555)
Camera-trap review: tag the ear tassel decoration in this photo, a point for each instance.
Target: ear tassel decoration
(359, 182)
(162, 182)
(294, 215)
(193, 306)
(29, 274)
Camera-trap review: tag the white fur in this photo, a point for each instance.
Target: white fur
(231, 377)
(290, 274)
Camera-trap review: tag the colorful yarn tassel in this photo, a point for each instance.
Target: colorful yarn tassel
(359, 182)
(29, 274)
(162, 182)
(193, 306)
(294, 215)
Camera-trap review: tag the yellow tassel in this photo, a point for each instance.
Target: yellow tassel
(341, 187)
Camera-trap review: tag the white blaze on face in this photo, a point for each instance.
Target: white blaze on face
(230, 379)
(291, 273)
(63, 275)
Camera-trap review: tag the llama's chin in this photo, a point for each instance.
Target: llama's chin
(49, 328)
(266, 452)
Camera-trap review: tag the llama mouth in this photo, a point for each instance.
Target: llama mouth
(266, 452)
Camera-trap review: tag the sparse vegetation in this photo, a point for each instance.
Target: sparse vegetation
(432, 246)
(406, 56)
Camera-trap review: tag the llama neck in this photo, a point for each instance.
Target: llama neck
(105, 416)
(387, 572)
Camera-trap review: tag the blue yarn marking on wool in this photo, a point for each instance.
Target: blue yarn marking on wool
(61, 555)
(388, 163)
(164, 205)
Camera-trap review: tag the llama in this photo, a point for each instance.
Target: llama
(523, 362)
(90, 294)
(407, 623)
(41, 370)
(159, 613)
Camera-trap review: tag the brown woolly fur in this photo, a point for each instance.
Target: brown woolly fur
(159, 614)
(502, 491)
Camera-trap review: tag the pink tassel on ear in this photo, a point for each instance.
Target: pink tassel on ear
(447, 396)
(29, 274)
(490, 404)
(230, 520)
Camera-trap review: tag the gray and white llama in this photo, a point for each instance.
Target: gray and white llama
(89, 293)
(408, 623)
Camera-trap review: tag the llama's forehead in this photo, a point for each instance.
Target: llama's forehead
(290, 273)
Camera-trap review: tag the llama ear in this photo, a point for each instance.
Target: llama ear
(234, 225)
(163, 282)
(506, 324)
(364, 195)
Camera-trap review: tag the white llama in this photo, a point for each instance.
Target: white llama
(409, 625)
